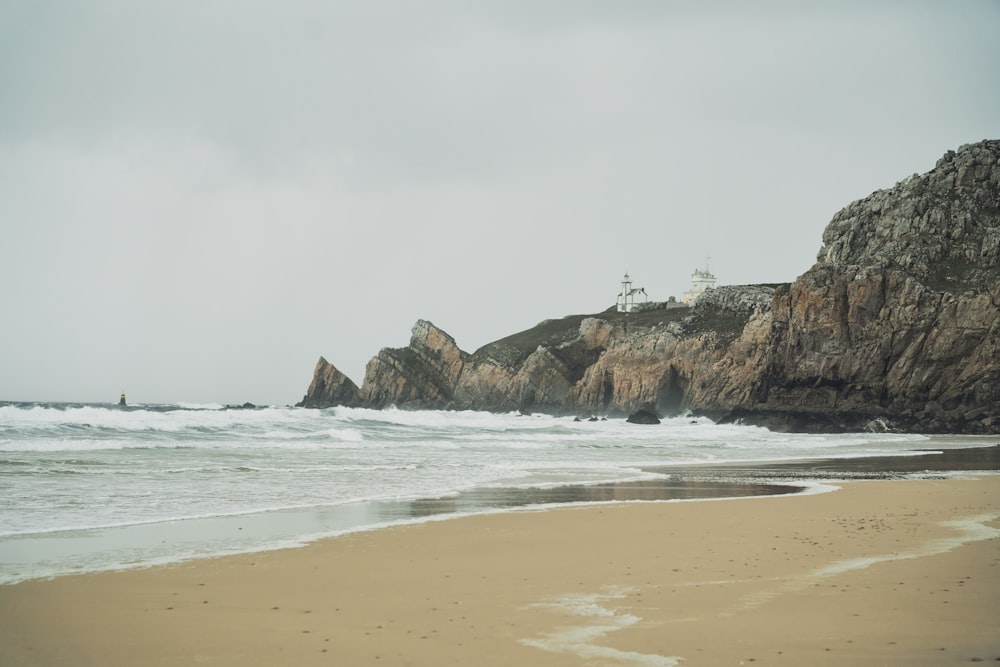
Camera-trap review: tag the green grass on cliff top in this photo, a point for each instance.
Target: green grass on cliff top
(514, 349)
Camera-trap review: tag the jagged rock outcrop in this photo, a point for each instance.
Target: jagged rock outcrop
(423, 374)
(329, 387)
(897, 325)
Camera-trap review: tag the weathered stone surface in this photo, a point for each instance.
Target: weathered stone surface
(424, 374)
(896, 326)
(329, 387)
(898, 320)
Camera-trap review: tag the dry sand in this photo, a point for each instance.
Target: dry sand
(887, 572)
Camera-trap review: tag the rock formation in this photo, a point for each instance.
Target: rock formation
(425, 374)
(896, 326)
(898, 319)
(329, 387)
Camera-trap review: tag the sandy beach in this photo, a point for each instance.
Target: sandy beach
(878, 572)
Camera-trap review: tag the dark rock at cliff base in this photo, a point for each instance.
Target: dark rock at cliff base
(896, 327)
(792, 421)
(643, 417)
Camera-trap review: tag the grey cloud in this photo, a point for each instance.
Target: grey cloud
(199, 198)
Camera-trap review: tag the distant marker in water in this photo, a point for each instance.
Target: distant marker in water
(121, 399)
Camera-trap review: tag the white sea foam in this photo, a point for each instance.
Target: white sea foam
(592, 619)
(94, 466)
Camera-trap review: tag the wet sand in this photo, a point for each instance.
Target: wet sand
(903, 572)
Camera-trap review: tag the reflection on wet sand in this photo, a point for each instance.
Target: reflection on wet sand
(657, 489)
(706, 481)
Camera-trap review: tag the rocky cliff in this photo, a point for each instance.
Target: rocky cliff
(895, 326)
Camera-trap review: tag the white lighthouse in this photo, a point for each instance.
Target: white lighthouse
(629, 296)
(701, 282)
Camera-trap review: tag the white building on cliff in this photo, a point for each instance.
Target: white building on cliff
(630, 296)
(701, 281)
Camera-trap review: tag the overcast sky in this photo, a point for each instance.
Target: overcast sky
(199, 198)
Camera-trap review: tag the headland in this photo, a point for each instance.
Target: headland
(895, 327)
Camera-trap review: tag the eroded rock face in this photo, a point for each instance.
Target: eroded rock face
(898, 319)
(895, 326)
(424, 374)
(329, 387)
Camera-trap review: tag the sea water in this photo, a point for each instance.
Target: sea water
(87, 487)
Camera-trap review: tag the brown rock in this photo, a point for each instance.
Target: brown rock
(329, 387)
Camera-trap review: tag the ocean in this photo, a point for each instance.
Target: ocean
(88, 487)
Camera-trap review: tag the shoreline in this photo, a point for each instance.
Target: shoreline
(142, 545)
(900, 571)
